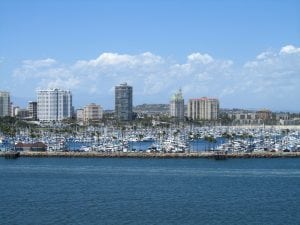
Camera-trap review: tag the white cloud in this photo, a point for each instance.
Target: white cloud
(268, 77)
(200, 58)
(68, 83)
(265, 55)
(272, 78)
(109, 59)
(289, 49)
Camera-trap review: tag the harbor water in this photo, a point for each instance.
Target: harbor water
(195, 145)
(149, 191)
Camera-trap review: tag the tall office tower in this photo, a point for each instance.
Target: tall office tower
(177, 106)
(4, 103)
(123, 102)
(54, 105)
(203, 108)
(32, 108)
(92, 112)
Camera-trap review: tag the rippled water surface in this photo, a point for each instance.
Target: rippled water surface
(149, 191)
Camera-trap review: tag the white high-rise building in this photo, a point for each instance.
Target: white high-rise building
(203, 109)
(54, 105)
(177, 106)
(4, 103)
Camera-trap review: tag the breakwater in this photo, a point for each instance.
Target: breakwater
(156, 155)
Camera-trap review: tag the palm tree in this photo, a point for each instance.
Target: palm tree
(140, 136)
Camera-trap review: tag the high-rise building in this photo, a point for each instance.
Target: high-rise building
(177, 106)
(123, 102)
(92, 112)
(32, 108)
(203, 109)
(4, 103)
(54, 105)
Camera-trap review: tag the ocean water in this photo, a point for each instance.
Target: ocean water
(149, 191)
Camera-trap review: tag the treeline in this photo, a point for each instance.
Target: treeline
(10, 125)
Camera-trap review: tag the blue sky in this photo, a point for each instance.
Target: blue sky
(245, 53)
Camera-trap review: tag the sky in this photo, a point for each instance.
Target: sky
(246, 53)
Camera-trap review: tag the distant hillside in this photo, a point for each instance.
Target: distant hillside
(152, 108)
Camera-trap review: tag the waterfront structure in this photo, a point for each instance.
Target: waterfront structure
(123, 102)
(203, 108)
(4, 103)
(37, 146)
(54, 105)
(264, 114)
(282, 116)
(252, 117)
(92, 113)
(243, 117)
(32, 108)
(177, 106)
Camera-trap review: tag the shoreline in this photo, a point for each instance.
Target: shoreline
(208, 155)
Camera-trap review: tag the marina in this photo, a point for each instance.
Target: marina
(150, 112)
(178, 142)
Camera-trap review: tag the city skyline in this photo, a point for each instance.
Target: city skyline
(245, 54)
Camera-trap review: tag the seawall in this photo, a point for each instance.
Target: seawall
(156, 155)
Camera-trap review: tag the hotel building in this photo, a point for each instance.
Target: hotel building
(203, 108)
(54, 105)
(177, 106)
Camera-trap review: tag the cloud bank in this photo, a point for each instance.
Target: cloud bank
(271, 79)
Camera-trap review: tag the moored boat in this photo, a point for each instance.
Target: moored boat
(11, 154)
(220, 155)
